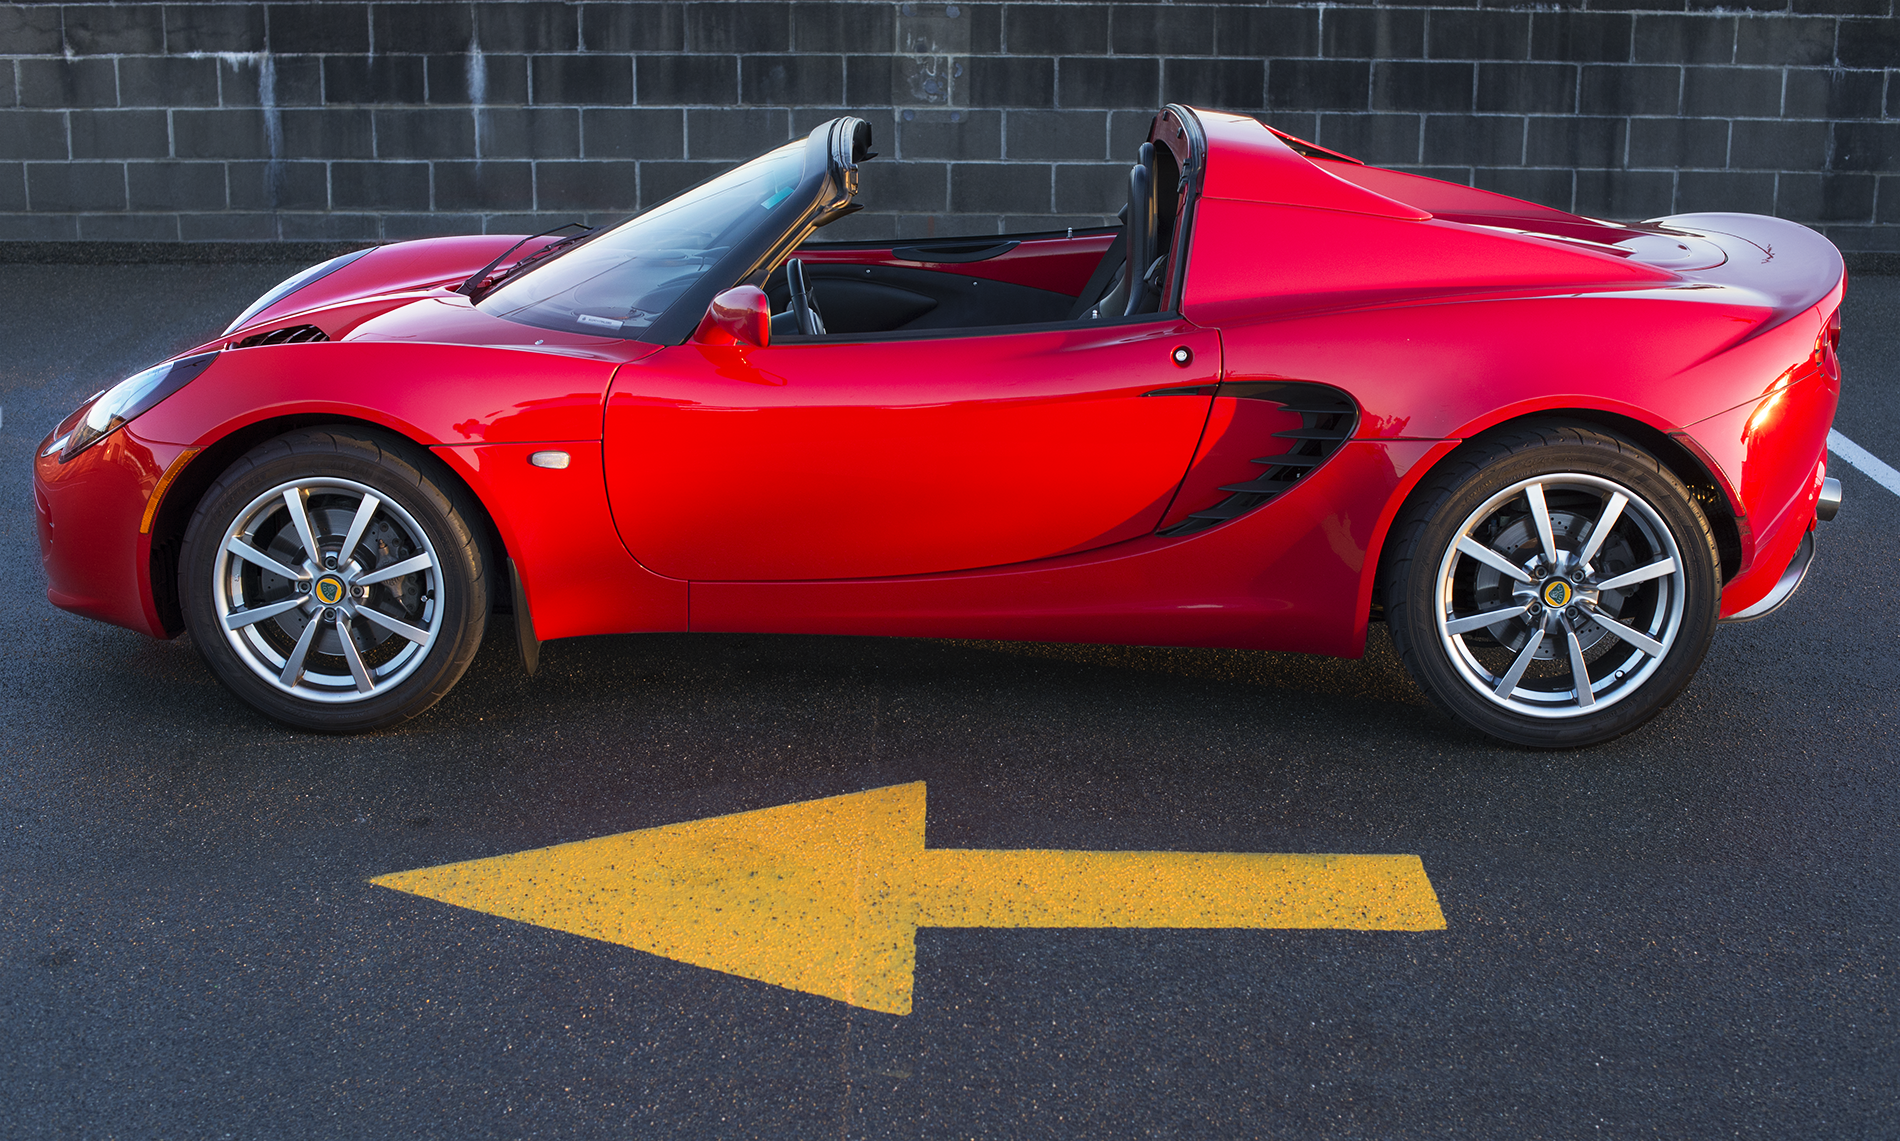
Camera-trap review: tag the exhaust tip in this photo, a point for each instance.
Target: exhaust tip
(1829, 505)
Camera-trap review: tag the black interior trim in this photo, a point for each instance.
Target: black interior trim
(955, 253)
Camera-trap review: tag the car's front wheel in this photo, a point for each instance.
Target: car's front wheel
(332, 583)
(1555, 586)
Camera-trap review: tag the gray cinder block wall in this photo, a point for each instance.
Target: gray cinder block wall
(342, 121)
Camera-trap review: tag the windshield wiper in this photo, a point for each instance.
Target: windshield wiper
(473, 286)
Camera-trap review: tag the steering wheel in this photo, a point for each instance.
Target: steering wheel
(804, 304)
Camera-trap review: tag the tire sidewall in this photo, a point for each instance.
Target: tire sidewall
(374, 463)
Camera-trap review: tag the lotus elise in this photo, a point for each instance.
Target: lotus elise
(1288, 395)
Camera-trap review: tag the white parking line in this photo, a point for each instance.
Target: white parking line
(1868, 463)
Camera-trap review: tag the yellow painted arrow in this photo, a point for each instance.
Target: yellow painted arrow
(826, 896)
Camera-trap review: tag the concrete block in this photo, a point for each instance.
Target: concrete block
(167, 81)
(484, 185)
(588, 184)
(1582, 37)
(957, 135)
(33, 134)
(1535, 88)
(1056, 136)
(1056, 29)
(30, 29)
(738, 26)
(175, 186)
(66, 82)
(529, 132)
(1404, 86)
(662, 80)
(582, 80)
(73, 187)
(327, 27)
(1165, 30)
(271, 186)
(783, 80)
(372, 79)
(1108, 83)
(1229, 84)
(119, 134)
(1015, 188)
(1368, 33)
(532, 26)
(114, 29)
(379, 186)
(1474, 140)
(1481, 34)
(641, 133)
(633, 27)
(735, 133)
(1678, 144)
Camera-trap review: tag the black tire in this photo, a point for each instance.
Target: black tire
(410, 633)
(1603, 628)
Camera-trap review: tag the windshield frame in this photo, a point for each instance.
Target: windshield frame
(826, 184)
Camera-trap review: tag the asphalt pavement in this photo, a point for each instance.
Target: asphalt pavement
(1687, 933)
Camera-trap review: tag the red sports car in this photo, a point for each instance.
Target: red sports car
(1289, 395)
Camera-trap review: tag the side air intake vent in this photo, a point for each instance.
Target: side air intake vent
(1328, 418)
(289, 335)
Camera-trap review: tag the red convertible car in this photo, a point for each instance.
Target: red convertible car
(1291, 394)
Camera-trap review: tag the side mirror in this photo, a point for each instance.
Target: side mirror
(740, 315)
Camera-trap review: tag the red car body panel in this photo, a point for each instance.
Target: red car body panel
(813, 460)
(1011, 483)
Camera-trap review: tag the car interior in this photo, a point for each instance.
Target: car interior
(870, 288)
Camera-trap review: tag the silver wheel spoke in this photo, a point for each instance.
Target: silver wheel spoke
(239, 619)
(1540, 514)
(357, 669)
(300, 519)
(1497, 562)
(293, 665)
(413, 633)
(1641, 574)
(395, 570)
(1480, 621)
(250, 554)
(1579, 672)
(1642, 642)
(1612, 511)
(1510, 679)
(358, 525)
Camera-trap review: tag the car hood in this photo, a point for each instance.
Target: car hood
(393, 277)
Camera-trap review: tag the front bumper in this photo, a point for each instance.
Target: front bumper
(89, 514)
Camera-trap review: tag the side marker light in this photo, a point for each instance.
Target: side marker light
(162, 486)
(555, 460)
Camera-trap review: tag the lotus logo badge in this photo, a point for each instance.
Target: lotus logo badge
(329, 590)
(1557, 594)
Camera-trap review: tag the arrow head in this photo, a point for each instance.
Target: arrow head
(816, 897)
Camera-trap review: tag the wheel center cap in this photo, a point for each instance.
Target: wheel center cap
(329, 590)
(1558, 594)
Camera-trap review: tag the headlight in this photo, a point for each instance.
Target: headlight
(126, 401)
(291, 285)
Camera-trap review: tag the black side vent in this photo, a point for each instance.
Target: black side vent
(1327, 420)
(289, 335)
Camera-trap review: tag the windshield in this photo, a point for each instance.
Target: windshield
(620, 282)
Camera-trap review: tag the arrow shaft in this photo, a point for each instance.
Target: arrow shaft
(975, 888)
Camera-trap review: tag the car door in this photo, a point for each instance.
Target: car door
(830, 458)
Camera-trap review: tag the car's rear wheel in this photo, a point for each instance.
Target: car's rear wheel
(330, 582)
(1554, 586)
